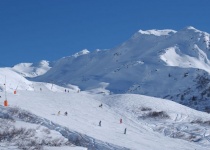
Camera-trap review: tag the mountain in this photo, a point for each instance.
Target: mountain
(161, 63)
(32, 69)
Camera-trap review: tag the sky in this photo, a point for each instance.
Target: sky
(35, 30)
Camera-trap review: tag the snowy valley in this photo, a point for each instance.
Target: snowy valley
(149, 81)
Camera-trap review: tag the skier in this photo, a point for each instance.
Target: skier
(99, 123)
(125, 131)
(66, 113)
(100, 105)
(59, 113)
(65, 90)
(121, 120)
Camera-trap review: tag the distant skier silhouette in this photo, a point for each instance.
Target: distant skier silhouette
(120, 120)
(99, 123)
(100, 105)
(125, 131)
(59, 112)
(66, 113)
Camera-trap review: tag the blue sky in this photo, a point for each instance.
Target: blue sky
(34, 30)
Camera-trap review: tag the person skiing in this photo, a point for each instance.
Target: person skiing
(59, 113)
(125, 131)
(99, 123)
(120, 120)
(100, 105)
(66, 113)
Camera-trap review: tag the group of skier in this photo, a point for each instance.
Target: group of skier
(68, 90)
(59, 112)
(125, 130)
(101, 105)
(99, 124)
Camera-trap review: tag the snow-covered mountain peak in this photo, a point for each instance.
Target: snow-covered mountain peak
(160, 63)
(190, 49)
(192, 29)
(43, 63)
(157, 32)
(32, 69)
(83, 52)
(148, 63)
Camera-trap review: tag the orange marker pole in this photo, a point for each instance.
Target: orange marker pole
(5, 103)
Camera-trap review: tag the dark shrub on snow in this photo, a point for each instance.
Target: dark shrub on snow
(155, 115)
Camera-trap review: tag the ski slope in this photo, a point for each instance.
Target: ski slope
(84, 116)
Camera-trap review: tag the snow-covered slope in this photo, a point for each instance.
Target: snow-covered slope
(151, 123)
(32, 70)
(32, 119)
(12, 81)
(162, 63)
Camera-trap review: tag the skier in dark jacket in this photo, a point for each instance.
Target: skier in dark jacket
(66, 113)
(125, 131)
(99, 123)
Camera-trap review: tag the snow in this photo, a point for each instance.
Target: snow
(172, 58)
(157, 32)
(65, 148)
(147, 63)
(83, 52)
(192, 28)
(32, 70)
(84, 116)
(159, 63)
(14, 81)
